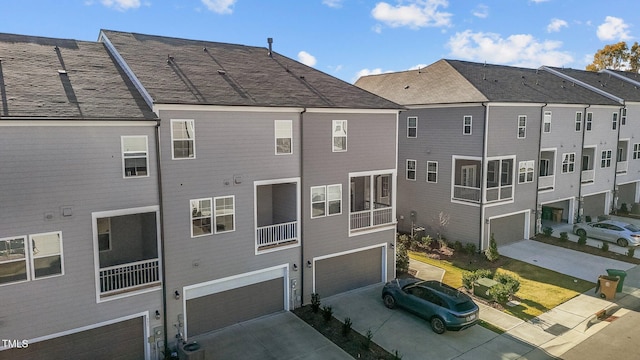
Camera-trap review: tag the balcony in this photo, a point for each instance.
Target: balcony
(466, 193)
(129, 277)
(546, 182)
(277, 213)
(371, 202)
(275, 235)
(365, 219)
(588, 176)
(622, 167)
(504, 192)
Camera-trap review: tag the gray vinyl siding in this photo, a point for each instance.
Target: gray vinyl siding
(631, 131)
(603, 138)
(45, 168)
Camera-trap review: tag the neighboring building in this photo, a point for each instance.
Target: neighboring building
(478, 141)
(80, 264)
(278, 180)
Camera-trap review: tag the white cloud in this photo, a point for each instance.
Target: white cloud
(481, 11)
(613, 28)
(413, 13)
(333, 3)
(306, 58)
(517, 50)
(539, 1)
(556, 25)
(220, 6)
(366, 72)
(121, 5)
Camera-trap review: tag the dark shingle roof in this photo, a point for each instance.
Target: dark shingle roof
(181, 71)
(61, 78)
(607, 82)
(453, 81)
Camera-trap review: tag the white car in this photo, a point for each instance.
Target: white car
(618, 232)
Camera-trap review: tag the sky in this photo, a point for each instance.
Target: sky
(352, 38)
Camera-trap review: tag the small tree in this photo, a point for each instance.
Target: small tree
(582, 239)
(631, 252)
(564, 236)
(547, 230)
(492, 253)
(402, 258)
(315, 302)
(327, 313)
(604, 247)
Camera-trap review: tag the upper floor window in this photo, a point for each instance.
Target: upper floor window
(284, 135)
(135, 158)
(636, 151)
(13, 260)
(605, 160)
(589, 121)
(614, 121)
(525, 171)
(412, 126)
(411, 169)
(225, 217)
(46, 250)
(183, 139)
(326, 200)
(104, 234)
(623, 117)
(38, 257)
(522, 126)
(339, 135)
(466, 125)
(578, 121)
(432, 171)
(546, 125)
(568, 162)
(201, 217)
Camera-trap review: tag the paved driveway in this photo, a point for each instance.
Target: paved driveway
(413, 338)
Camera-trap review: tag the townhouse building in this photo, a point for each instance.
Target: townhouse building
(277, 180)
(80, 261)
(488, 150)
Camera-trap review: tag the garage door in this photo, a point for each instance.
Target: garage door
(215, 311)
(507, 229)
(347, 272)
(120, 341)
(594, 205)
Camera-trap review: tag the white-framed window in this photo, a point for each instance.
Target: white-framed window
(412, 127)
(326, 200)
(104, 234)
(411, 169)
(284, 136)
(589, 121)
(578, 121)
(225, 216)
(432, 171)
(135, 159)
(525, 171)
(636, 151)
(546, 122)
(14, 266)
(201, 217)
(623, 117)
(545, 167)
(183, 141)
(339, 135)
(605, 160)
(614, 121)
(46, 259)
(568, 162)
(522, 126)
(467, 122)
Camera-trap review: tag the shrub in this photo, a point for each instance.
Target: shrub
(315, 302)
(346, 327)
(624, 209)
(631, 252)
(469, 277)
(403, 240)
(470, 248)
(564, 236)
(426, 241)
(367, 339)
(492, 253)
(457, 246)
(547, 230)
(582, 239)
(396, 355)
(442, 243)
(511, 282)
(500, 293)
(604, 247)
(587, 218)
(402, 258)
(327, 313)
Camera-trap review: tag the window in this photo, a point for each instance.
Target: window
(371, 200)
(47, 255)
(500, 179)
(525, 171)
(621, 156)
(432, 171)
(411, 169)
(636, 151)
(339, 135)
(568, 162)
(589, 121)
(466, 125)
(134, 156)
(578, 121)
(200, 217)
(605, 160)
(183, 139)
(546, 126)
(614, 121)
(623, 117)
(522, 126)
(13, 260)
(326, 200)
(544, 167)
(412, 127)
(225, 219)
(284, 134)
(104, 234)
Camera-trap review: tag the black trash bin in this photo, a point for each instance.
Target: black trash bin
(621, 274)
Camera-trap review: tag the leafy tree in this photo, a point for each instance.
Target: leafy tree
(617, 57)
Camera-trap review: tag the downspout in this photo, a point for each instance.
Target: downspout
(302, 265)
(584, 132)
(483, 186)
(615, 174)
(538, 210)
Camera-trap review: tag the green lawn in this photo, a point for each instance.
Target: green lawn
(540, 289)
